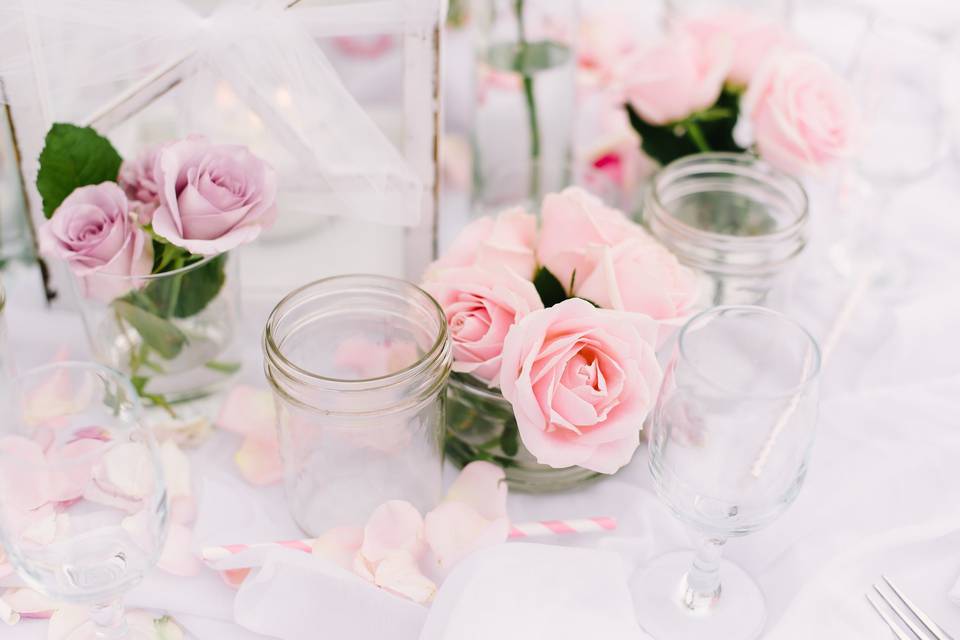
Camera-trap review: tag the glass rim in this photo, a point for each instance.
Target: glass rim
(165, 274)
(814, 348)
(275, 356)
(730, 158)
(117, 377)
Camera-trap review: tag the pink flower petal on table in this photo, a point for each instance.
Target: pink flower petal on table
(472, 516)
(339, 545)
(177, 557)
(234, 577)
(247, 411)
(483, 486)
(176, 471)
(24, 482)
(455, 529)
(29, 604)
(74, 464)
(123, 477)
(399, 573)
(69, 620)
(258, 460)
(394, 526)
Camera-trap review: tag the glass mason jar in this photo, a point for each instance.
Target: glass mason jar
(358, 365)
(525, 95)
(173, 333)
(481, 426)
(735, 218)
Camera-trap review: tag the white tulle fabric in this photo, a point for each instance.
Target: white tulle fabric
(74, 59)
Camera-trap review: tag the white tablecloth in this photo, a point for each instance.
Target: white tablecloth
(882, 494)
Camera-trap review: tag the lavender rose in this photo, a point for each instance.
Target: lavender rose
(212, 197)
(140, 183)
(94, 233)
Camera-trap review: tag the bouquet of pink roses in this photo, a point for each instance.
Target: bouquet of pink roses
(689, 91)
(555, 331)
(146, 242)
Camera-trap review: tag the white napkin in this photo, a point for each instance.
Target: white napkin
(297, 596)
(534, 592)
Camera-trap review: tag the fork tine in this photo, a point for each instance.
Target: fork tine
(904, 617)
(924, 619)
(897, 631)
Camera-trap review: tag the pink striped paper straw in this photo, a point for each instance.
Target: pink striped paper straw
(545, 528)
(539, 529)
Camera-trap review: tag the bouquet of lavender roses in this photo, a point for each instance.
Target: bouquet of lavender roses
(146, 242)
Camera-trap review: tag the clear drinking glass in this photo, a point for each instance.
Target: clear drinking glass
(359, 366)
(898, 75)
(736, 219)
(729, 443)
(83, 507)
(173, 333)
(525, 99)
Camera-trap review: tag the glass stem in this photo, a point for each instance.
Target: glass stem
(701, 587)
(109, 620)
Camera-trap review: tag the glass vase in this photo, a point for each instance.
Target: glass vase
(358, 365)
(736, 219)
(525, 95)
(173, 334)
(481, 426)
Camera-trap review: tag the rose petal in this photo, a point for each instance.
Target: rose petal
(247, 411)
(394, 526)
(455, 529)
(399, 573)
(259, 462)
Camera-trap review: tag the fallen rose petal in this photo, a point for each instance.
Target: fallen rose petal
(258, 460)
(7, 614)
(399, 573)
(71, 468)
(29, 604)
(455, 529)
(483, 486)
(69, 620)
(24, 482)
(247, 411)
(234, 577)
(176, 471)
(339, 545)
(177, 557)
(394, 526)
(123, 477)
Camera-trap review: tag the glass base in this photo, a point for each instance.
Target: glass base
(658, 589)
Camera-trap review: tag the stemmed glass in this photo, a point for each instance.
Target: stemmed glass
(729, 443)
(898, 75)
(83, 507)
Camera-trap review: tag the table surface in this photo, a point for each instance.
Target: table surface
(881, 493)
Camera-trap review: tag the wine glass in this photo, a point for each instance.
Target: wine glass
(898, 76)
(729, 442)
(83, 506)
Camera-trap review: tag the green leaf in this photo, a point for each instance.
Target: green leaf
(73, 157)
(550, 290)
(666, 143)
(228, 368)
(187, 294)
(162, 335)
(510, 438)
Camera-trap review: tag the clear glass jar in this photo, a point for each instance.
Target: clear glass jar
(173, 333)
(358, 365)
(775, 10)
(481, 426)
(525, 99)
(735, 218)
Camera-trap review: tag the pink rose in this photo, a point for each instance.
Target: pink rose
(93, 231)
(606, 42)
(139, 182)
(213, 198)
(755, 39)
(641, 275)
(677, 76)
(504, 240)
(581, 381)
(572, 221)
(804, 115)
(481, 305)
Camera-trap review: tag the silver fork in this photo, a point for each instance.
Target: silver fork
(920, 625)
